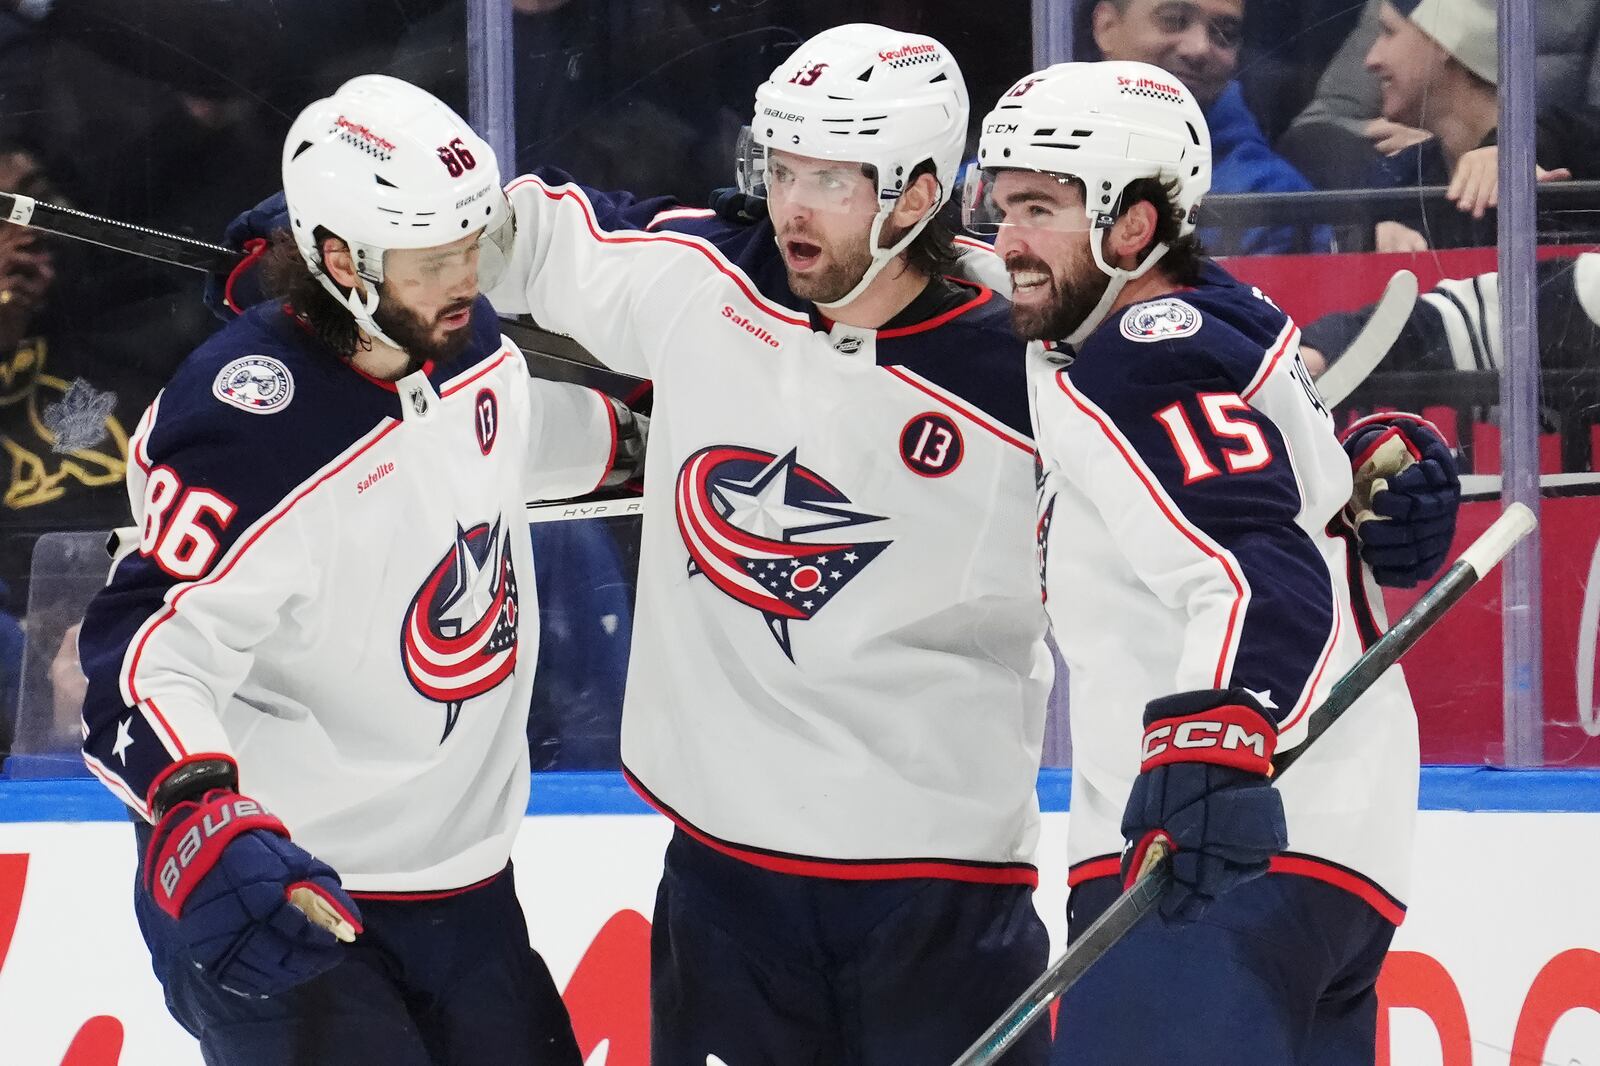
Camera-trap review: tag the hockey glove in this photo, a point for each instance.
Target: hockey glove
(1203, 788)
(231, 294)
(1408, 490)
(731, 205)
(223, 868)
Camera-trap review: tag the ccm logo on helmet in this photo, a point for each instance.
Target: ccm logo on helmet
(1228, 736)
(195, 837)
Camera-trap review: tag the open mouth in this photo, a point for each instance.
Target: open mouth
(801, 255)
(457, 318)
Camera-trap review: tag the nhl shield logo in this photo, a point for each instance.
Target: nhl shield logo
(1160, 320)
(259, 384)
(741, 512)
(459, 636)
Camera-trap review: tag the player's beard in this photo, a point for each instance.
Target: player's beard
(1069, 301)
(422, 340)
(843, 268)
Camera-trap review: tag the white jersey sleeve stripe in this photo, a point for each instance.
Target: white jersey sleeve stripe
(1285, 339)
(1224, 559)
(677, 213)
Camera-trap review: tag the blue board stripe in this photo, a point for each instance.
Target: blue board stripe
(1444, 788)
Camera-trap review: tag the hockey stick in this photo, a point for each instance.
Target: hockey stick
(176, 250)
(1476, 561)
(1363, 354)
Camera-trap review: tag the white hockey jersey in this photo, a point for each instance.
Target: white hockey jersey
(1189, 537)
(334, 586)
(838, 664)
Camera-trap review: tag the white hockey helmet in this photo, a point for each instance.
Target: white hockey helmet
(864, 94)
(384, 165)
(1106, 124)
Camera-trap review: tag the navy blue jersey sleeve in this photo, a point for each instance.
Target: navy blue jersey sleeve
(1201, 490)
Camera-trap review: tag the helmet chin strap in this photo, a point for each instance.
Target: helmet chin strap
(881, 257)
(362, 307)
(1119, 277)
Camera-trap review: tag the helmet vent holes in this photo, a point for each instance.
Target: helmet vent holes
(301, 148)
(465, 223)
(1083, 133)
(941, 76)
(865, 75)
(381, 180)
(867, 133)
(1193, 136)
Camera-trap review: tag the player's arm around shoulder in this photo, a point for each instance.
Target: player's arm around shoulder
(581, 267)
(579, 441)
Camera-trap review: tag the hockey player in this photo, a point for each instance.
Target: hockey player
(838, 674)
(1205, 590)
(310, 672)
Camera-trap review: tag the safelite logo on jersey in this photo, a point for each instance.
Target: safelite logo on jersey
(760, 333)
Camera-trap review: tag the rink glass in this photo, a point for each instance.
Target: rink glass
(179, 125)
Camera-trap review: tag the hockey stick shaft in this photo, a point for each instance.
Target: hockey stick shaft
(176, 250)
(1118, 920)
(118, 236)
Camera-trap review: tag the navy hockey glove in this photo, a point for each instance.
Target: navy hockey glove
(1203, 788)
(731, 205)
(234, 293)
(1408, 490)
(223, 868)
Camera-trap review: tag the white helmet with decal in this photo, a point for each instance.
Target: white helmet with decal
(384, 165)
(864, 94)
(1104, 124)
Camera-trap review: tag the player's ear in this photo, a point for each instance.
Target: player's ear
(1134, 231)
(915, 202)
(338, 262)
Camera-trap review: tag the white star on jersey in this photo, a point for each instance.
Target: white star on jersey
(475, 583)
(1264, 697)
(760, 506)
(124, 739)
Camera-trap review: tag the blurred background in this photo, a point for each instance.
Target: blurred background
(1352, 139)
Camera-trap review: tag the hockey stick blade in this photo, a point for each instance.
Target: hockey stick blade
(1372, 344)
(1140, 899)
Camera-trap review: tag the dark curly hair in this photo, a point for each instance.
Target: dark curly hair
(286, 277)
(1184, 254)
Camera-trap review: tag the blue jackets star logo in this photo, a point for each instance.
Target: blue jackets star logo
(742, 514)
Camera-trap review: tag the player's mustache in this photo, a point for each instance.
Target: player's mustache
(1027, 262)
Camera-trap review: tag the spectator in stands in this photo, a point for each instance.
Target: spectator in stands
(1339, 136)
(1198, 42)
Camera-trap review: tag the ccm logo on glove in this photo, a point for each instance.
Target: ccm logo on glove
(1230, 735)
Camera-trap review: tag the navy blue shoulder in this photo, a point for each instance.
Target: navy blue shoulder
(258, 408)
(1215, 336)
(970, 351)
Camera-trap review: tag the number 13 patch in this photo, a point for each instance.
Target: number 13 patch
(931, 445)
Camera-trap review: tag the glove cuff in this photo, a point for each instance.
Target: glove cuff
(190, 778)
(1232, 731)
(189, 840)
